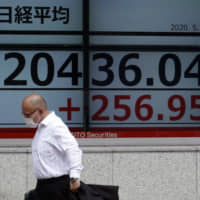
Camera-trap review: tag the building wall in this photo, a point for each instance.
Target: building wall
(141, 172)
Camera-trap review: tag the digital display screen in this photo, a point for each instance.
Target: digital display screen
(108, 68)
(144, 16)
(41, 22)
(139, 89)
(56, 75)
(141, 22)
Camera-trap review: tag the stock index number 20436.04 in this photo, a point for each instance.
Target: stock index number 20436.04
(106, 69)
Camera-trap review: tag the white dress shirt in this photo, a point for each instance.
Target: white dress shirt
(55, 151)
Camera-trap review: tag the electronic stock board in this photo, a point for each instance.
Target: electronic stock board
(109, 69)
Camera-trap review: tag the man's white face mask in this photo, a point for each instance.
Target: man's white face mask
(30, 123)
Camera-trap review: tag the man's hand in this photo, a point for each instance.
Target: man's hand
(74, 185)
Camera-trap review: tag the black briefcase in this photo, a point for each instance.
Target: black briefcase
(31, 195)
(86, 192)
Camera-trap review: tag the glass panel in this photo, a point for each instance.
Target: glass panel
(36, 22)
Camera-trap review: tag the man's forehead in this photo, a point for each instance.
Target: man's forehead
(27, 105)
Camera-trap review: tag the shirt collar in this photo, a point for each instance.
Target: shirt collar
(47, 119)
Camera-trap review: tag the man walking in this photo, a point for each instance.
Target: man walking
(56, 156)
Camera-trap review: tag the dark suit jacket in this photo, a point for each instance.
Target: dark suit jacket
(86, 192)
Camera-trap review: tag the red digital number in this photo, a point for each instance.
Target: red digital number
(97, 115)
(126, 108)
(139, 106)
(176, 108)
(144, 111)
(195, 105)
